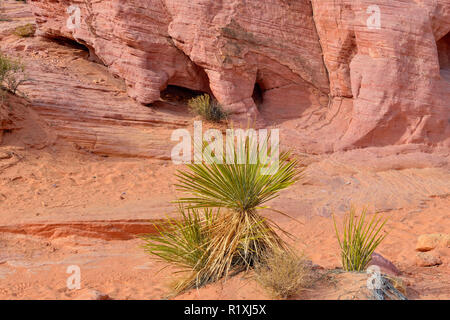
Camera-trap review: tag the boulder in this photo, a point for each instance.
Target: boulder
(428, 242)
(386, 266)
(428, 259)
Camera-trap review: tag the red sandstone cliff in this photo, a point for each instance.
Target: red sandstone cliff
(350, 85)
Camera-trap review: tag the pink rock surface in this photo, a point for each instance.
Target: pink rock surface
(428, 259)
(400, 91)
(387, 85)
(152, 44)
(131, 39)
(62, 206)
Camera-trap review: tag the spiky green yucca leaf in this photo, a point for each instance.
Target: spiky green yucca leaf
(185, 243)
(251, 179)
(360, 239)
(182, 242)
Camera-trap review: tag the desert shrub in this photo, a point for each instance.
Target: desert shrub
(283, 273)
(11, 73)
(26, 30)
(360, 239)
(208, 108)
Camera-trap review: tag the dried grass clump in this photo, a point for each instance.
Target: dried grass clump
(209, 109)
(25, 31)
(284, 274)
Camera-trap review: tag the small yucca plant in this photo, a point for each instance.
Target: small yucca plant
(360, 239)
(208, 108)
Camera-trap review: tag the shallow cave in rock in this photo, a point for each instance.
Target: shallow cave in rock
(174, 100)
(443, 47)
(179, 94)
(69, 43)
(88, 51)
(258, 95)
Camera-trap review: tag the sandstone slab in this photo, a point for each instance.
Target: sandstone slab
(428, 259)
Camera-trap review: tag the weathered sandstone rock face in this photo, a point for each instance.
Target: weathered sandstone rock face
(225, 45)
(354, 84)
(393, 74)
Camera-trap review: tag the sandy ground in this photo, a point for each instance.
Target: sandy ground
(34, 267)
(63, 206)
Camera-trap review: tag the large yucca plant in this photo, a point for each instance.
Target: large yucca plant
(360, 239)
(242, 184)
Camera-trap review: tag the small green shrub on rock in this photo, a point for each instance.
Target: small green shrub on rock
(208, 108)
(11, 74)
(25, 31)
